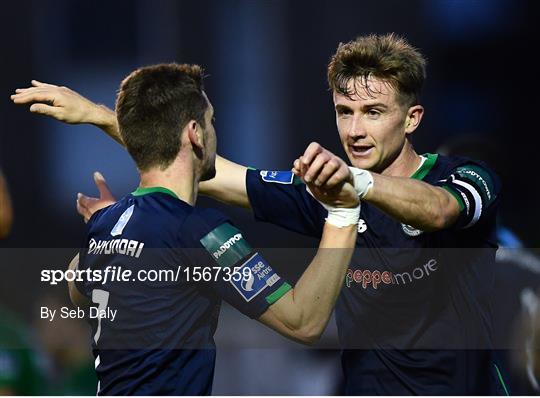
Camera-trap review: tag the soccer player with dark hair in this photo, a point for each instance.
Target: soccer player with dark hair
(160, 339)
(412, 318)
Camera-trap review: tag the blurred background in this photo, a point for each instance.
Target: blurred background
(266, 61)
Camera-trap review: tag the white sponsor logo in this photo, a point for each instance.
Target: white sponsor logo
(417, 273)
(127, 247)
(362, 226)
(227, 245)
(411, 231)
(247, 284)
(479, 178)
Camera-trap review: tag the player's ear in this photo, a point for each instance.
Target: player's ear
(414, 117)
(195, 135)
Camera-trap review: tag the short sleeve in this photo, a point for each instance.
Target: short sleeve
(281, 198)
(476, 188)
(245, 279)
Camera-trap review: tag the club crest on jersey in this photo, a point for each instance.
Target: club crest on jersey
(411, 231)
(259, 277)
(122, 221)
(279, 177)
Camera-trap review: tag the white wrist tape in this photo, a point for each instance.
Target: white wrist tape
(340, 216)
(363, 181)
(343, 217)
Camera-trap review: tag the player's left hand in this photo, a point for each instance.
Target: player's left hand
(87, 205)
(58, 102)
(327, 176)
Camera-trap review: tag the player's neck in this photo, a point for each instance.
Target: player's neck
(405, 164)
(180, 180)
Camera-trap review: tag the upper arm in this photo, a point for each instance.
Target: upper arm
(254, 288)
(229, 184)
(246, 280)
(475, 190)
(282, 199)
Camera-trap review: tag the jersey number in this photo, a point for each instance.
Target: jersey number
(101, 298)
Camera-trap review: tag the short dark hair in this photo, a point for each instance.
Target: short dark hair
(154, 105)
(386, 57)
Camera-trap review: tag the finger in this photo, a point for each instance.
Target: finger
(327, 171)
(81, 208)
(312, 150)
(103, 188)
(296, 167)
(315, 167)
(37, 83)
(33, 96)
(338, 178)
(86, 201)
(44, 109)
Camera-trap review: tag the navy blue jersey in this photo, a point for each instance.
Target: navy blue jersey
(156, 333)
(414, 315)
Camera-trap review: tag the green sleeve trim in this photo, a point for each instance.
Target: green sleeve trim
(298, 181)
(501, 379)
(145, 191)
(251, 168)
(455, 195)
(272, 298)
(423, 171)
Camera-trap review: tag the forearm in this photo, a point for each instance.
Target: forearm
(229, 184)
(105, 119)
(306, 311)
(413, 202)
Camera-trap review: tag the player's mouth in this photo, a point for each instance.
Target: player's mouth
(361, 151)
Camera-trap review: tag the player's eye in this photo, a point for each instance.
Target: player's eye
(373, 113)
(343, 111)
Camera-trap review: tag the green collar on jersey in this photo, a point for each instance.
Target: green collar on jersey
(145, 191)
(428, 164)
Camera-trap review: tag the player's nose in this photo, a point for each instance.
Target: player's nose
(357, 128)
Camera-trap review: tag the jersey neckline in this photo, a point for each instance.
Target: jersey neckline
(140, 191)
(426, 167)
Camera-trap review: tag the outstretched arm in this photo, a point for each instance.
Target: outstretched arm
(68, 106)
(229, 184)
(413, 202)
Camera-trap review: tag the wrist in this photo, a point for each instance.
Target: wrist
(102, 117)
(363, 181)
(342, 216)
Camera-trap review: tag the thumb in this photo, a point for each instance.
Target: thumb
(103, 188)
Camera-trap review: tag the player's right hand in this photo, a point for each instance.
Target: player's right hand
(60, 103)
(87, 205)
